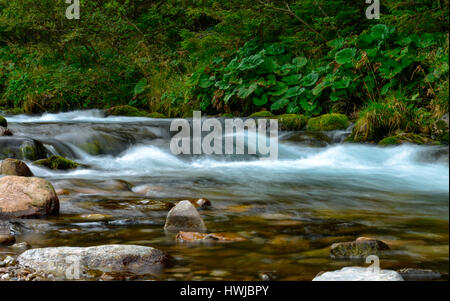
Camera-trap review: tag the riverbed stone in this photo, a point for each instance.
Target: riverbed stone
(360, 248)
(410, 274)
(6, 239)
(184, 217)
(5, 132)
(3, 121)
(14, 167)
(57, 162)
(359, 274)
(211, 237)
(21, 148)
(63, 261)
(27, 197)
(202, 203)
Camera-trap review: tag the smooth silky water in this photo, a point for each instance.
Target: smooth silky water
(290, 210)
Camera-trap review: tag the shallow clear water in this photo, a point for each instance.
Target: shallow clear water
(290, 210)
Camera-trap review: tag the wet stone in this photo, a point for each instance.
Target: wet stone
(184, 217)
(360, 248)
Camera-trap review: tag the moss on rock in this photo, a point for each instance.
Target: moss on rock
(125, 110)
(262, 114)
(57, 162)
(156, 115)
(291, 122)
(328, 122)
(407, 138)
(444, 138)
(3, 122)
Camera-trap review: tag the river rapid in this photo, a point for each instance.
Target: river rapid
(289, 210)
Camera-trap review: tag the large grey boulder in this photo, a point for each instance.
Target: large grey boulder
(359, 274)
(27, 197)
(14, 167)
(184, 217)
(78, 263)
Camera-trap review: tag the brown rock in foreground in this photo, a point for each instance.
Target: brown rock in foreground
(360, 248)
(14, 167)
(27, 197)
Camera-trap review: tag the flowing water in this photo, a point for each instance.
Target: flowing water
(290, 210)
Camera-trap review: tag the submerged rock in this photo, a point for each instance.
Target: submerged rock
(359, 274)
(410, 274)
(184, 217)
(309, 138)
(6, 239)
(360, 248)
(21, 148)
(57, 162)
(328, 122)
(14, 167)
(5, 132)
(27, 197)
(211, 237)
(65, 262)
(201, 203)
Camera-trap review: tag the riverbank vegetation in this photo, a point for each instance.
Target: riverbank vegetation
(232, 58)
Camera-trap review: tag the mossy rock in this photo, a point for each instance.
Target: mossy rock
(125, 110)
(407, 138)
(21, 148)
(227, 115)
(3, 122)
(291, 122)
(262, 114)
(328, 122)
(156, 115)
(444, 138)
(57, 162)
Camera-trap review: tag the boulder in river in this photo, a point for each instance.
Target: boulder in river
(5, 132)
(77, 263)
(27, 197)
(328, 122)
(359, 274)
(14, 167)
(57, 162)
(201, 203)
(184, 217)
(211, 237)
(3, 122)
(360, 248)
(21, 148)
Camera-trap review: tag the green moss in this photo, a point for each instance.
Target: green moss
(262, 114)
(291, 122)
(57, 162)
(125, 110)
(156, 115)
(328, 122)
(407, 138)
(3, 121)
(444, 138)
(227, 115)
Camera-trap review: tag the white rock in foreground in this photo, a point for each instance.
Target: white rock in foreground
(74, 263)
(359, 274)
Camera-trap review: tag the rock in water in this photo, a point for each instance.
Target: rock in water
(419, 274)
(21, 148)
(6, 238)
(27, 197)
(184, 217)
(75, 263)
(14, 167)
(360, 248)
(57, 162)
(5, 132)
(359, 274)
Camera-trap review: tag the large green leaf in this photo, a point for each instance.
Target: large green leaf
(291, 80)
(206, 81)
(294, 91)
(246, 90)
(260, 101)
(299, 61)
(345, 56)
(251, 62)
(310, 79)
(279, 104)
(279, 89)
